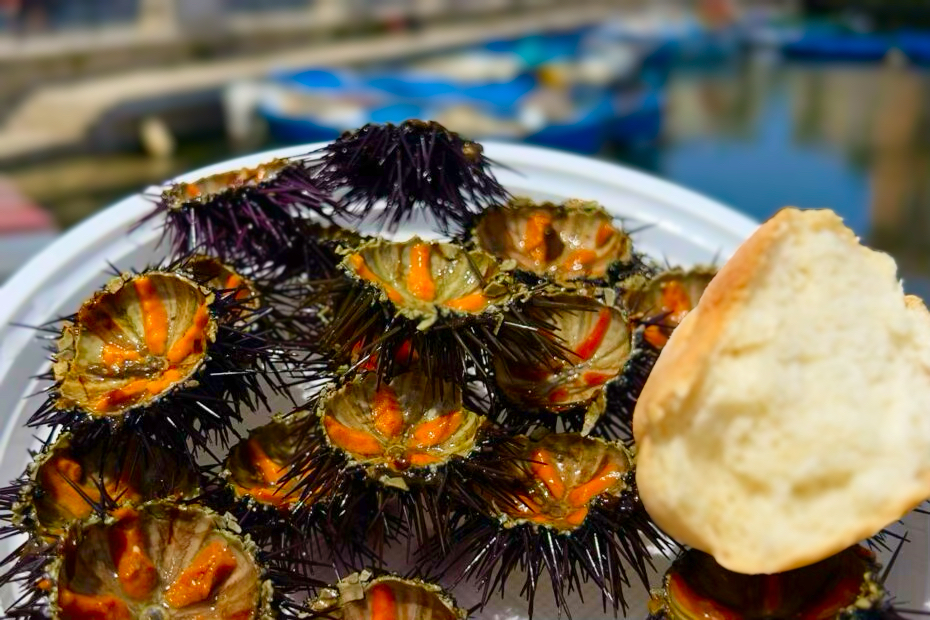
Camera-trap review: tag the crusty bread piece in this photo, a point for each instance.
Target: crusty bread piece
(789, 414)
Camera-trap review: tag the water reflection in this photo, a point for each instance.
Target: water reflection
(853, 138)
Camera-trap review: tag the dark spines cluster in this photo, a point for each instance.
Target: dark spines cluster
(414, 165)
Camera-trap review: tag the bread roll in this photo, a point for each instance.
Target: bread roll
(788, 416)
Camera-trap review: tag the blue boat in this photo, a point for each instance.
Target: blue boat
(553, 93)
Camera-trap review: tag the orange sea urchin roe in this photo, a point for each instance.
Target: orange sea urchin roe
(76, 606)
(192, 338)
(419, 277)
(383, 602)
(60, 477)
(388, 417)
(154, 316)
(135, 571)
(534, 236)
(210, 567)
(676, 303)
(115, 355)
(364, 272)
(272, 492)
(351, 440)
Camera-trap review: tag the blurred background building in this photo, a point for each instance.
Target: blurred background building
(816, 103)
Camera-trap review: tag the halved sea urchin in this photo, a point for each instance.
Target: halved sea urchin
(572, 513)
(597, 380)
(391, 172)
(71, 480)
(442, 304)
(157, 561)
(155, 353)
(846, 586)
(364, 596)
(661, 303)
(259, 214)
(573, 242)
(392, 454)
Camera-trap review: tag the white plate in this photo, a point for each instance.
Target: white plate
(683, 226)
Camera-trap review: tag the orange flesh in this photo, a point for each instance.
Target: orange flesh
(235, 283)
(421, 459)
(154, 316)
(419, 278)
(351, 440)
(534, 236)
(604, 232)
(469, 303)
(358, 264)
(579, 260)
(115, 355)
(675, 300)
(211, 566)
(121, 396)
(187, 344)
(76, 606)
(676, 303)
(383, 604)
(608, 476)
(130, 392)
(592, 379)
(388, 418)
(686, 600)
(544, 469)
(191, 190)
(134, 570)
(577, 517)
(590, 345)
(271, 471)
(433, 432)
(55, 476)
(558, 395)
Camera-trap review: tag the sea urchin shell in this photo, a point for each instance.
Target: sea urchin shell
(563, 243)
(362, 596)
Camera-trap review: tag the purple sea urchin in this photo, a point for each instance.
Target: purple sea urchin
(567, 243)
(662, 302)
(71, 480)
(364, 596)
(594, 384)
(846, 586)
(158, 354)
(403, 446)
(572, 513)
(436, 304)
(255, 214)
(417, 165)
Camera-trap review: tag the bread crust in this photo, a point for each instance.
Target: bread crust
(662, 406)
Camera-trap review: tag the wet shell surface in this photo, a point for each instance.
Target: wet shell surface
(696, 588)
(424, 279)
(204, 190)
(400, 426)
(132, 343)
(257, 466)
(599, 343)
(566, 242)
(561, 476)
(65, 482)
(361, 597)
(221, 278)
(666, 299)
(160, 562)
